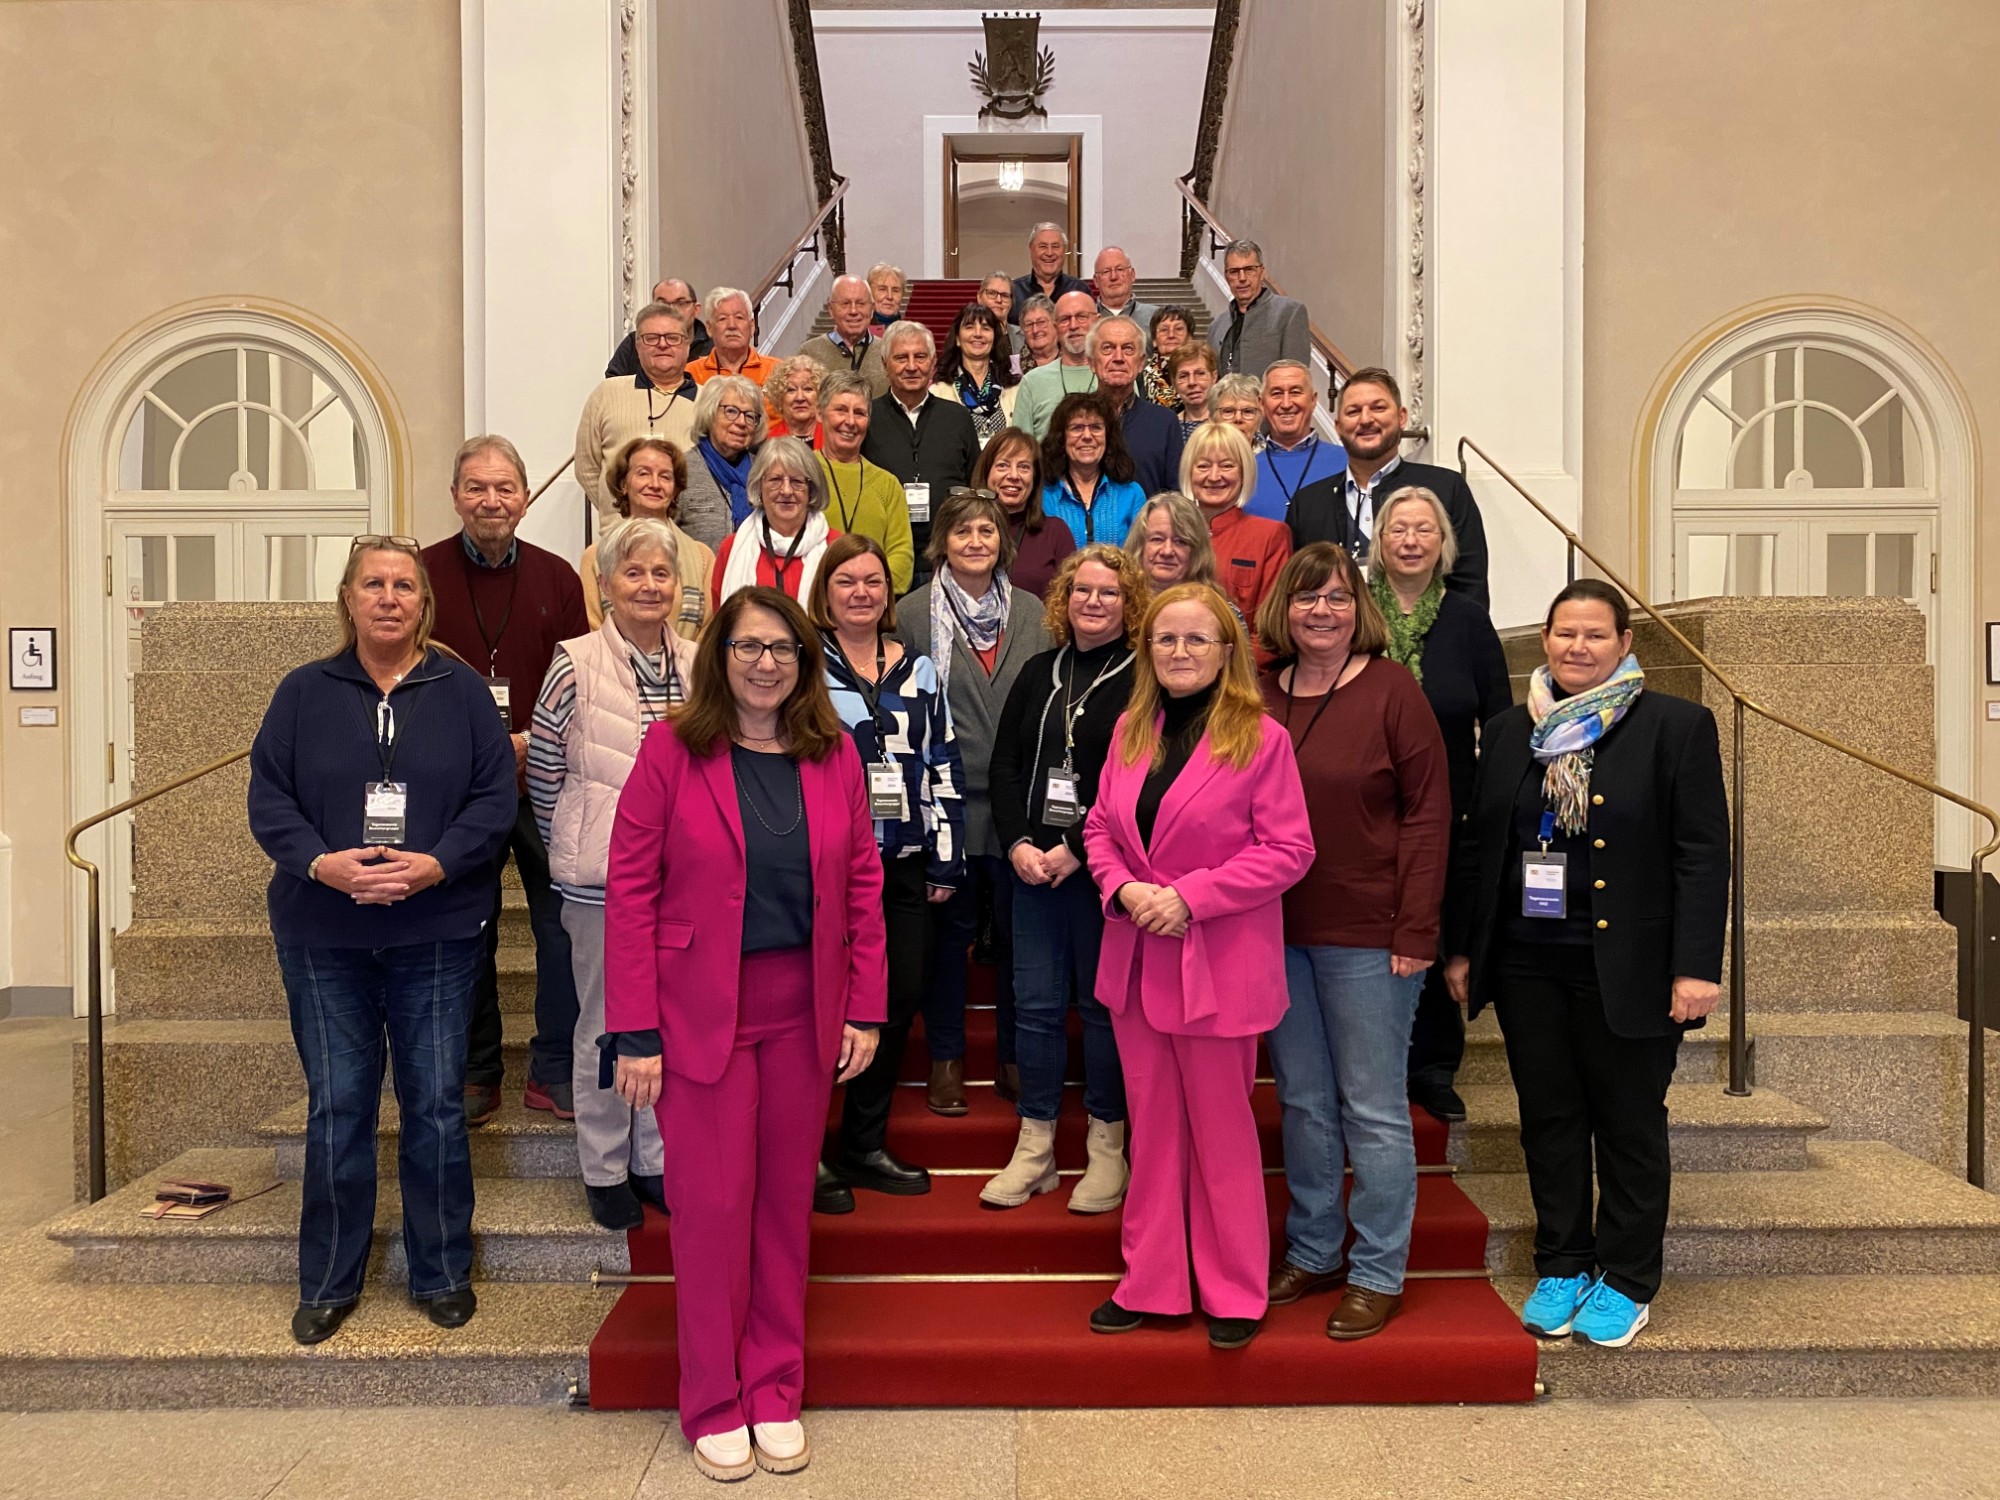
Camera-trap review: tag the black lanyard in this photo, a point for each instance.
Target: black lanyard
(781, 568)
(384, 734)
(1089, 513)
(871, 692)
(1312, 723)
(492, 642)
(653, 416)
(1312, 452)
(860, 489)
(917, 426)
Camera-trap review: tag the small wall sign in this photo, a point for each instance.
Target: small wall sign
(1993, 653)
(31, 658)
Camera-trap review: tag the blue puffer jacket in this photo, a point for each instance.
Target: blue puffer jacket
(312, 760)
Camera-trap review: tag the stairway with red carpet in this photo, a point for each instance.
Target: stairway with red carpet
(939, 1301)
(937, 304)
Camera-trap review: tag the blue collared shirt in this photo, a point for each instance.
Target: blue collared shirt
(1361, 504)
(479, 558)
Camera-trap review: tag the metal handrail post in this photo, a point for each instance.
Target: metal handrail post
(1739, 1011)
(1975, 1048)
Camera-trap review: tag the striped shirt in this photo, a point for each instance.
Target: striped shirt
(911, 727)
(660, 688)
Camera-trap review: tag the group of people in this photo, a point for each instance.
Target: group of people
(1198, 715)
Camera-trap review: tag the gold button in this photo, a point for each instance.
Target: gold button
(1602, 924)
(1598, 800)
(1598, 883)
(1597, 843)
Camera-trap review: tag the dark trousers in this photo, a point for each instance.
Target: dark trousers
(988, 893)
(1437, 1040)
(1058, 933)
(1584, 1089)
(555, 981)
(347, 1005)
(864, 1111)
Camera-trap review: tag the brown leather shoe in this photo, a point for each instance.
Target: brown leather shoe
(482, 1102)
(946, 1095)
(1008, 1082)
(1290, 1282)
(1361, 1313)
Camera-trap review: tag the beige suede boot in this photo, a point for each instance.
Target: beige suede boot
(1102, 1186)
(1032, 1171)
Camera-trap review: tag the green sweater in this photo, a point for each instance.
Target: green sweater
(867, 498)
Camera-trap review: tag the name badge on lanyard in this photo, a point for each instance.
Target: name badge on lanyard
(503, 699)
(1544, 888)
(384, 813)
(888, 797)
(1061, 807)
(917, 496)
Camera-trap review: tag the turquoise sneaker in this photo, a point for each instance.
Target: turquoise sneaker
(1609, 1318)
(1552, 1309)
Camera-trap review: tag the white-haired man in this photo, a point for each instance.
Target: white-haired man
(1115, 277)
(1042, 387)
(1294, 455)
(732, 323)
(927, 442)
(851, 346)
(1048, 249)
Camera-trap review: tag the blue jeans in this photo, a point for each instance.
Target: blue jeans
(1340, 1055)
(346, 1004)
(1057, 934)
(988, 882)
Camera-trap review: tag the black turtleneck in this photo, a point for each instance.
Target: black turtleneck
(1033, 720)
(1182, 723)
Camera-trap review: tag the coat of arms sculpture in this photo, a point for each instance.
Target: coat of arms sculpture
(1011, 73)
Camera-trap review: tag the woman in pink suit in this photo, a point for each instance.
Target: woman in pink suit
(744, 966)
(1199, 829)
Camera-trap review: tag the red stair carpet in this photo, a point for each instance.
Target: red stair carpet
(937, 304)
(936, 1301)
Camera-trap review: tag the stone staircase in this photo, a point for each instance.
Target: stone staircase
(1820, 1241)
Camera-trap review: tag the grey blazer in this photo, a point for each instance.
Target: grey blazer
(704, 509)
(1273, 328)
(974, 700)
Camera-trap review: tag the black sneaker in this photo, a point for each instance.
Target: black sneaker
(1232, 1333)
(615, 1208)
(1109, 1317)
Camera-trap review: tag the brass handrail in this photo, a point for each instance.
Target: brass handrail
(807, 243)
(1975, 1068)
(94, 1011)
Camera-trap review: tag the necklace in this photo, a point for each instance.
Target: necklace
(798, 791)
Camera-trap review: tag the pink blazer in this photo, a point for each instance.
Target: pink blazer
(1231, 843)
(673, 936)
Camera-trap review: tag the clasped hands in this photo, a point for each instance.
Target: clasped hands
(378, 876)
(1157, 909)
(1049, 867)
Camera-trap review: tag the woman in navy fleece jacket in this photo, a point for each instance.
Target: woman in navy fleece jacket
(382, 786)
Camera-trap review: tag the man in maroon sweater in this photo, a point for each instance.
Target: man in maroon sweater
(503, 604)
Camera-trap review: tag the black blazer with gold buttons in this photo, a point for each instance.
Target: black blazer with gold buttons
(1659, 856)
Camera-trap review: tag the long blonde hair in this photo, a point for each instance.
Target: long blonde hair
(1235, 716)
(426, 612)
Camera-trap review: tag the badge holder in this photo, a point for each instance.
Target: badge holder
(917, 496)
(385, 813)
(1061, 807)
(888, 798)
(1544, 877)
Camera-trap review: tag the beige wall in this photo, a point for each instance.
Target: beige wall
(729, 94)
(1737, 153)
(159, 151)
(1302, 167)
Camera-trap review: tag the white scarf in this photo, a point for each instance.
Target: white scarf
(978, 622)
(748, 547)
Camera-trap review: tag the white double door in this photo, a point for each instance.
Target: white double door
(153, 557)
(1835, 553)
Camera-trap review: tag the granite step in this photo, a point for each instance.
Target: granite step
(1858, 1208)
(516, 1142)
(1793, 1336)
(524, 1229)
(71, 1345)
(1709, 1131)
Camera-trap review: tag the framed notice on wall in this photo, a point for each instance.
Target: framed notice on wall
(31, 658)
(1993, 652)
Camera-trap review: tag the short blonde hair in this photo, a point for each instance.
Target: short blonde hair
(1214, 437)
(1190, 530)
(774, 386)
(630, 537)
(1447, 551)
(744, 389)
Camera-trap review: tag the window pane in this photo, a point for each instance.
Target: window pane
(1847, 565)
(285, 575)
(208, 457)
(1833, 452)
(1708, 567)
(194, 567)
(193, 386)
(1886, 433)
(145, 569)
(1842, 381)
(329, 562)
(1705, 443)
(1895, 565)
(1756, 565)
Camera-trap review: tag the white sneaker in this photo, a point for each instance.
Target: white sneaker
(725, 1455)
(782, 1446)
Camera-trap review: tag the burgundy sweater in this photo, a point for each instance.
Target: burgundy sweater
(547, 599)
(1040, 554)
(1379, 795)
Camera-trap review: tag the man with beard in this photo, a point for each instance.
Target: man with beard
(1370, 419)
(1041, 388)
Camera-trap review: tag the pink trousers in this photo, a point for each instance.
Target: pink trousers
(1197, 1173)
(741, 1155)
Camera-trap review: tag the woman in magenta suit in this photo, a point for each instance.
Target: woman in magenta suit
(744, 968)
(1199, 829)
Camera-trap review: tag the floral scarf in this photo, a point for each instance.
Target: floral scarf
(980, 621)
(1407, 631)
(1566, 733)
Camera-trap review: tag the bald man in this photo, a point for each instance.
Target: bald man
(680, 297)
(851, 345)
(1115, 280)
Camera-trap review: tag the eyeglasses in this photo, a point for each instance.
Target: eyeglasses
(735, 413)
(396, 543)
(784, 653)
(664, 340)
(1423, 531)
(1110, 595)
(1194, 645)
(1334, 599)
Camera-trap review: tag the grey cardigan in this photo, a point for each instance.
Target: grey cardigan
(974, 700)
(1274, 328)
(704, 509)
